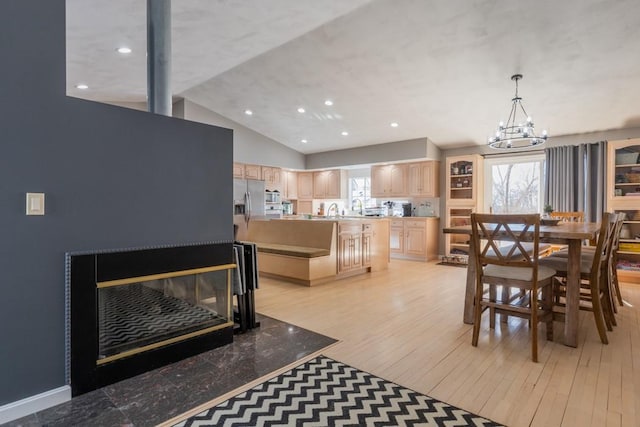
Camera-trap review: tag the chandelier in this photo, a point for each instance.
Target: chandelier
(516, 132)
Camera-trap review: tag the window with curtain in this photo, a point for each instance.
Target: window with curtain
(514, 184)
(575, 179)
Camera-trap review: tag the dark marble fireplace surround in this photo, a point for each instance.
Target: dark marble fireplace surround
(86, 270)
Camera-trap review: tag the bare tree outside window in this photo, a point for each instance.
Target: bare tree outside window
(516, 187)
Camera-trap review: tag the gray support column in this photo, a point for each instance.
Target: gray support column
(159, 56)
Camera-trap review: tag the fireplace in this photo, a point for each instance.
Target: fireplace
(133, 311)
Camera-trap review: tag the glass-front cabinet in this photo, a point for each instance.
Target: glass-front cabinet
(623, 195)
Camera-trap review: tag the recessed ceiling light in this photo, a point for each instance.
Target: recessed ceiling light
(124, 49)
(328, 102)
(301, 110)
(394, 125)
(345, 133)
(248, 112)
(304, 141)
(82, 86)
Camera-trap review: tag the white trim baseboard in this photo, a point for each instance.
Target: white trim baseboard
(29, 405)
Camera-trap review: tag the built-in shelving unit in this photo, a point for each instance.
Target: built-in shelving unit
(463, 196)
(623, 195)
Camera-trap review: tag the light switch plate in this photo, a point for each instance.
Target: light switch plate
(35, 203)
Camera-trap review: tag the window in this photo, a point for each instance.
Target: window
(514, 184)
(360, 192)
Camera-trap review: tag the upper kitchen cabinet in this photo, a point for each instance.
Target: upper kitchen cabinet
(389, 181)
(253, 172)
(272, 178)
(238, 170)
(464, 180)
(290, 184)
(423, 179)
(305, 185)
(329, 184)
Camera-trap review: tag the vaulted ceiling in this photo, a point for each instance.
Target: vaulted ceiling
(440, 69)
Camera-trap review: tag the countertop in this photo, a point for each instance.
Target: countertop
(346, 218)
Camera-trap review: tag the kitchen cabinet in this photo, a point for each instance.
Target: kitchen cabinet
(329, 184)
(349, 247)
(367, 243)
(238, 170)
(290, 184)
(423, 179)
(272, 178)
(623, 195)
(305, 185)
(253, 172)
(414, 238)
(396, 237)
(389, 181)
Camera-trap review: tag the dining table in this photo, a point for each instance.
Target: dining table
(572, 234)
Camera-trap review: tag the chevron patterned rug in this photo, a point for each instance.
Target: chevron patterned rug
(324, 392)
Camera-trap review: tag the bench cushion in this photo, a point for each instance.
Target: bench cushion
(291, 250)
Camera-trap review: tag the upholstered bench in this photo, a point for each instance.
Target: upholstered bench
(291, 250)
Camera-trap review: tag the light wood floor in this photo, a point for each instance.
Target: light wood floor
(405, 325)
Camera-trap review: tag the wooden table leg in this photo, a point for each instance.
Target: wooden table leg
(470, 291)
(573, 294)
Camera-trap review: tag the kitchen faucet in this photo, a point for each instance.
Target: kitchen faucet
(333, 206)
(357, 203)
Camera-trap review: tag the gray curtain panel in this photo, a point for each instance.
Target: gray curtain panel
(575, 179)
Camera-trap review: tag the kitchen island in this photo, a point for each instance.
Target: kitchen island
(320, 249)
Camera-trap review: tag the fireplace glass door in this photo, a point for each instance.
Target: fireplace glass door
(138, 314)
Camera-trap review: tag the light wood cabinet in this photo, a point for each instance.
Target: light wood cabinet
(290, 180)
(305, 185)
(396, 237)
(329, 184)
(367, 243)
(414, 238)
(253, 172)
(464, 195)
(349, 247)
(272, 178)
(623, 195)
(464, 179)
(238, 170)
(423, 179)
(389, 181)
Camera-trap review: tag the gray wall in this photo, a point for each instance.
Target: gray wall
(248, 146)
(380, 153)
(113, 178)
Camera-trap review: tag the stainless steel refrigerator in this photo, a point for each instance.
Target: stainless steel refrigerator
(248, 203)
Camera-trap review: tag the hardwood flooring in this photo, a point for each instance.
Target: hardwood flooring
(405, 325)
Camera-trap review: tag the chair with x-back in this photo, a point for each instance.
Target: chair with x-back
(504, 259)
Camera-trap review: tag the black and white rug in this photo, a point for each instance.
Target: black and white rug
(324, 392)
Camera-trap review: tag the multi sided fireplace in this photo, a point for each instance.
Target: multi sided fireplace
(132, 311)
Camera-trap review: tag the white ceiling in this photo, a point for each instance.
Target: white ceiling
(441, 69)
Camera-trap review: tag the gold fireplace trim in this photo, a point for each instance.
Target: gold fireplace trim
(130, 280)
(161, 343)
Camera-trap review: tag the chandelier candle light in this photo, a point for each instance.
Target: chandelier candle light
(516, 133)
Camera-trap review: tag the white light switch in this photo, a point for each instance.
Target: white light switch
(35, 203)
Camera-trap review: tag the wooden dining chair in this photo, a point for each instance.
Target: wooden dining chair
(504, 259)
(612, 271)
(595, 295)
(568, 216)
